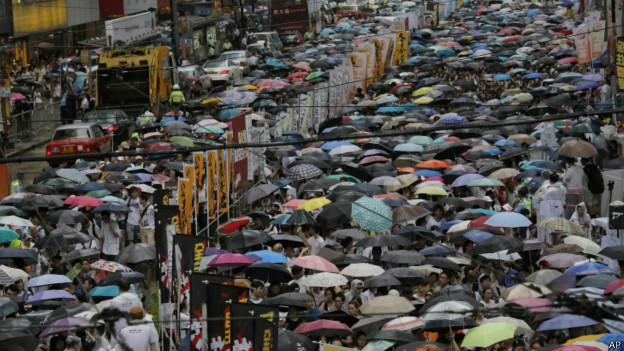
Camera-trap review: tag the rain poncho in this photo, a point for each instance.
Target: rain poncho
(585, 221)
(354, 293)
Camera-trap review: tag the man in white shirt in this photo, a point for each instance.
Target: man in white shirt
(110, 237)
(132, 223)
(147, 221)
(126, 300)
(315, 241)
(574, 180)
(139, 337)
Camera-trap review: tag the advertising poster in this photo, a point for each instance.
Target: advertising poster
(221, 298)
(582, 43)
(240, 136)
(211, 188)
(222, 184)
(188, 252)
(596, 39)
(252, 333)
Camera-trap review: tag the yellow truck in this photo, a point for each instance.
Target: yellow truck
(132, 78)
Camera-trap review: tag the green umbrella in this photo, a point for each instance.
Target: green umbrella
(488, 334)
(314, 74)
(60, 183)
(583, 128)
(371, 214)
(7, 235)
(182, 140)
(421, 140)
(349, 178)
(486, 182)
(98, 193)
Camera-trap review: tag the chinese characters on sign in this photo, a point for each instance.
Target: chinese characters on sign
(619, 63)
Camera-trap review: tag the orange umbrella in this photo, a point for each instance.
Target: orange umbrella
(433, 164)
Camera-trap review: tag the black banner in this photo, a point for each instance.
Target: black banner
(198, 307)
(165, 215)
(249, 332)
(161, 197)
(221, 298)
(188, 253)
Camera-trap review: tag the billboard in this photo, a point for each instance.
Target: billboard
(33, 16)
(129, 26)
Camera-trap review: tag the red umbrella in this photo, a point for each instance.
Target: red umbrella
(433, 164)
(507, 31)
(480, 222)
(159, 146)
(297, 75)
(613, 286)
(316, 263)
(411, 85)
(231, 260)
(161, 178)
(234, 225)
(324, 327)
(303, 66)
(83, 200)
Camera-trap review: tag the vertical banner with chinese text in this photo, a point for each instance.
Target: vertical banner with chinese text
(619, 63)
(241, 165)
(221, 298)
(185, 204)
(211, 180)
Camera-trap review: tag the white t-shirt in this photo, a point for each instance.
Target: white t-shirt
(126, 301)
(138, 337)
(185, 324)
(135, 211)
(574, 177)
(316, 244)
(110, 244)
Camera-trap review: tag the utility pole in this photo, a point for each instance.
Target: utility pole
(175, 31)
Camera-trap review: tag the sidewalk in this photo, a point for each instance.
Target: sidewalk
(23, 145)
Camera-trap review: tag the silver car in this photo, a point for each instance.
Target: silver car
(240, 57)
(193, 71)
(223, 71)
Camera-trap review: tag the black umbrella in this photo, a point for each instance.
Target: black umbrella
(358, 171)
(66, 217)
(403, 257)
(406, 275)
(442, 262)
(461, 323)
(340, 316)
(381, 280)
(268, 272)
(18, 340)
(352, 233)
(292, 299)
(393, 335)
(291, 341)
(300, 217)
(414, 233)
(115, 167)
(48, 201)
(287, 240)
(383, 240)
(335, 214)
(131, 277)
(345, 260)
(259, 192)
(28, 256)
(45, 175)
(81, 254)
(455, 201)
(39, 189)
(616, 163)
(136, 253)
(499, 243)
(7, 306)
(513, 152)
(451, 152)
(246, 239)
(614, 252)
(62, 241)
(277, 152)
(600, 281)
(123, 177)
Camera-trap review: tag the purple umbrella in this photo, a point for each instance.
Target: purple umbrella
(231, 260)
(52, 294)
(593, 77)
(211, 251)
(562, 283)
(566, 321)
(63, 325)
(434, 94)
(466, 179)
(145, 177)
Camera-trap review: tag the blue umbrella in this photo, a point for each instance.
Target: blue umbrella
(465, 179)
(403, 108)
(541, 164)
(106, 291)
(91, 186)
(508, 220)
(428, 173)
(484, 211)
(446, 52)
(613, 339)
(281, 219)
(532, 13)
(566, 321)
(408, 147)
(506, 143)
(226, 115)
(334, 144)
(437, 251)
(48, 279)
(500, 77)
(587, 86)
(269, 256)
(447, 225)
(534, 75)
(327, 32)
(167, 121)
(371, 214)
(477, 236)
(589, 268)
(493, 152)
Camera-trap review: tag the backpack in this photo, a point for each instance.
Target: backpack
(594, 179)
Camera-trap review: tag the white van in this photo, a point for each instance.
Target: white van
(272, 38)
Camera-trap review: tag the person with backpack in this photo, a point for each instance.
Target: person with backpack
(595, 187)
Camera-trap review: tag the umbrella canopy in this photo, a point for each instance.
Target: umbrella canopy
(488, 334)
(566, 321)
(324, 328)
(362, 270)
(577, 148)
(316, 263)
(387, 304)
(136, 253)
(372, 214)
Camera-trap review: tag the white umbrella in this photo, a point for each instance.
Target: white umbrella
(447, 310)
(426, 269)
(359, 270)
(16, 221)
(326, 280)
(503, 255)
(15, 273)
(588, 246)
(344, 149)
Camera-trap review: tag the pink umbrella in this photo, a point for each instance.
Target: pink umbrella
(17, 96)
(464, 168)
(272, 83)
(613, 286)
(295, 203)
(207, 122)
(16, 196)
(110, 266)
(450, 44)
(303, 65)
(316, 263)
(534, 304)
(83, 201)
(152, 135)
(231, 260)
(161, 178)
(324, 327)
(434, 179)
(297, 75)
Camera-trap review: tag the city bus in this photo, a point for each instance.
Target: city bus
(295, 15)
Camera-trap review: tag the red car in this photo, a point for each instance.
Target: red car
(77, 141)
(350, 11)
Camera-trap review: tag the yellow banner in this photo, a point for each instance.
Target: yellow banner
(401, 48)
(185, 204)
(379, 64)
(223, 183)
(210, 187)
(200, 166)
(189, 173)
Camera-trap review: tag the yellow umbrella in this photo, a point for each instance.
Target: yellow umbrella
(380, 96)
(250, 87)
(423, 100)
(432, 190)
(592, 337)
(422, 91)
(313, 204)
(211, 102)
